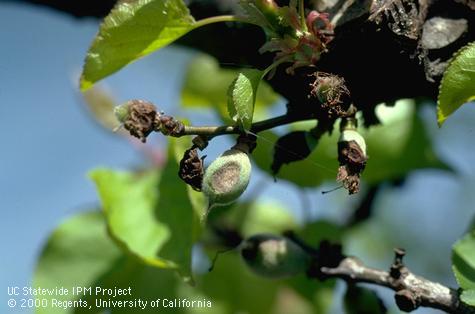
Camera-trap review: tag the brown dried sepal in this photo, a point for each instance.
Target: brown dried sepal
(352, 163)
(191, 168)
(171, 126)
(332, 93)
(142, 119)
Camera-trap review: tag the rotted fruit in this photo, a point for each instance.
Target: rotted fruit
(353, 135)
(227, 177)
(351, 156)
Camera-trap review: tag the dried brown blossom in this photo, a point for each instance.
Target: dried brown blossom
(191, 168)
(140, 118)
(332, 93)
(352, 163)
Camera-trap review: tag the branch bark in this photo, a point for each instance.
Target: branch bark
(256, 127)
(141, 118)
(412, 291)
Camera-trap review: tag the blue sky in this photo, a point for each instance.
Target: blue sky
(48, 141)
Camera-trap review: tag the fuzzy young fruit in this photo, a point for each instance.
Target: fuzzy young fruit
(353, 135)
(122, 112)
(274, 256)
(227, 177)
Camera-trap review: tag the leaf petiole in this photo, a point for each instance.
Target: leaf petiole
(219, 19)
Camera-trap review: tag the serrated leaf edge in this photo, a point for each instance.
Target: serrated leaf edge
(85, 84)
(441, 120)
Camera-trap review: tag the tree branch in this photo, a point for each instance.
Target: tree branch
(256, 127)
(141, 118)
(412, 291)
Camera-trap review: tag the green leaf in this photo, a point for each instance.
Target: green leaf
(468, 297)
(400, 145)
(79, 253)
(361, 300)
(197, 92)
(313, 171)
(396, 147)
(151, 217)
(252, 14)
(212, 92)
(320, 295)
(176, 209)
(134, 29)
(146, 283)
(267, 217)
(298, 294)
(234, 288)
(463, 261)
(76, 253)
(319, 230)
(458, 83)
(242, 96)
(129, 202)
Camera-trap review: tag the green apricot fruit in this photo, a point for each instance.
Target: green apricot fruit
(227, 177)
(122, 112)
(274, 256)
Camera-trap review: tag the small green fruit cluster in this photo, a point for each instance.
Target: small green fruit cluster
(227, 177)
(274, 256)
